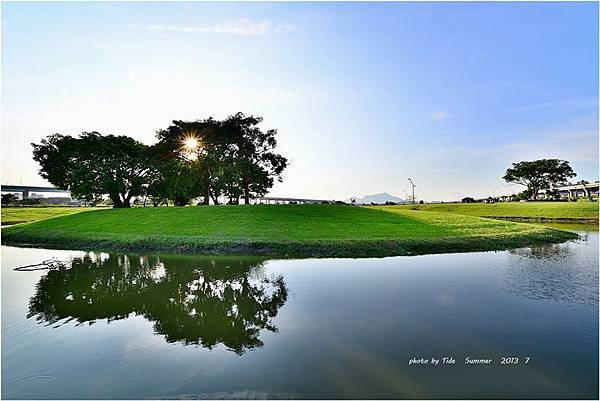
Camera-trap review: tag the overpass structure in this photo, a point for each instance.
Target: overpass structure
(25, 190)
(275, 200)
(574, 191)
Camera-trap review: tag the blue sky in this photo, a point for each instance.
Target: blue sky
(364, 95)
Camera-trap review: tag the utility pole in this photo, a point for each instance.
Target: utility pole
(413, 190)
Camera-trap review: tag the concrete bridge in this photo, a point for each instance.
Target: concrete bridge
(574, 191)
(275, 200)
(25, 190)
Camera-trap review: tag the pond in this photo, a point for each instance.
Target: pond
(114, 325)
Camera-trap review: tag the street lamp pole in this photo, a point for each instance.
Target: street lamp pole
(413, 190)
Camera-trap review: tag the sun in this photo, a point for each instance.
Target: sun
(190, 144)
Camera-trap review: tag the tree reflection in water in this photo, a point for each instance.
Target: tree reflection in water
(192, 300)
(559, 272)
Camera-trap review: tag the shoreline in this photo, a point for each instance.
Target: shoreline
(559, 220)
(308, 249)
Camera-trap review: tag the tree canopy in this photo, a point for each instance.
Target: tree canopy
(93, 165)
(253, 161)
(203, 159)
(233, 157)
(539, 174)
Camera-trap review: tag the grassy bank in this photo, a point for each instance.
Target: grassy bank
(582, 212)
(16, 215)
(283, 231)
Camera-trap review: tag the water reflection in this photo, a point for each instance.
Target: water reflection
(557, 272)
(545, 253)
(190, 300)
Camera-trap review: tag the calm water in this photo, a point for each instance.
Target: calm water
(160, 326)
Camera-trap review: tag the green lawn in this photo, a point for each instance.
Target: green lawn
(549, 211)
(280, 230)
(15, 215)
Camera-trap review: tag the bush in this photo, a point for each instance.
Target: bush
(9, 199)
(30, 201)
(522, 196)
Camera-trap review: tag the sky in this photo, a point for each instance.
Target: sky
(363, 95)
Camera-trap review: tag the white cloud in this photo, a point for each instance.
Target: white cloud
(242, 27)
(440, 115)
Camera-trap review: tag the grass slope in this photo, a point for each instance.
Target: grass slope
(282, 230)
(16, 215)
(534, 211)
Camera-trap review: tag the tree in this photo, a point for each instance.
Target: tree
(252, 153)
(539, 174)
(177, 180)
(93, 165)
(203, 158)
(233, 157)
(9, 199)
(197, 144)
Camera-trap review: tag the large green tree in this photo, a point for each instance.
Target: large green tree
(539, 174)
(203, 158)
(252, 155)
(92, 165)
(233, 157)
(178, 180)
(197, 144)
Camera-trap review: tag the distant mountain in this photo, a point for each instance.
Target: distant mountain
(378, 199)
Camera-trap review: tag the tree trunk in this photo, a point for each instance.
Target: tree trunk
(215, 198)
(206, 199)
(125, 200)
(181, 201)
(246, 191)
(116, 200)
